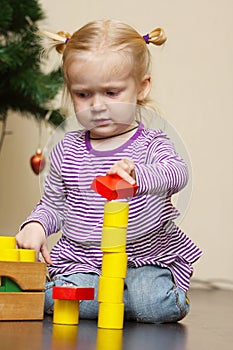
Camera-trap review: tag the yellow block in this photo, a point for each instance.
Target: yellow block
(7, 242)
(27, 255)
(111, 316)
(113, 239)
(109, 339)
(114, 265)
(110, 290)
(9, 255)
(66, 312)
(116, 214)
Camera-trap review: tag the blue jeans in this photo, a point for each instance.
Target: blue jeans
(150, 295)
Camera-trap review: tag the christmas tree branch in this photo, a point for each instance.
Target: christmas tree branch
(24, 87)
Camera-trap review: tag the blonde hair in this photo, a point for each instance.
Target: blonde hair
(109, 35)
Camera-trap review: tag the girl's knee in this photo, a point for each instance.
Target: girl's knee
(151, 308)
(154, 298)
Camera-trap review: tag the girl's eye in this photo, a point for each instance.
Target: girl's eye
(112, 93)
(82, 94)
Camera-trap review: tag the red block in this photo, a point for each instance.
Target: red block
(73, 293)
(113, 187)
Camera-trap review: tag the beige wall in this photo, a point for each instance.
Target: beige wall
(193, 85)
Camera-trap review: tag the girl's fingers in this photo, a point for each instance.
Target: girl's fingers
(46, 255)
(125, 169)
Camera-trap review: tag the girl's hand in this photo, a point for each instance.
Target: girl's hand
(125, 169)
(32, 236)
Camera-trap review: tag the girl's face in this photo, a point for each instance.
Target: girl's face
(104, 93)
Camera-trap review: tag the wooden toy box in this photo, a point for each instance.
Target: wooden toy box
(28, 302)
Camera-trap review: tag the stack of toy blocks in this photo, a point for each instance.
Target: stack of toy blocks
(22, 282)
(114, 266)
(66, 303)
(113, 246)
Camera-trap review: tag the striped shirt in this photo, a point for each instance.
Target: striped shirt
(69, 205)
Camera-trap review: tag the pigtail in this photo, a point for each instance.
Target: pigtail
(156, 37)
(56, 40)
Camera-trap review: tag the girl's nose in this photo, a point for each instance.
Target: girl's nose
(97, 103)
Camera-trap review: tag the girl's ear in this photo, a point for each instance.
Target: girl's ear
(144, 88)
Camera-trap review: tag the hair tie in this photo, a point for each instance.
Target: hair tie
(147, 38)
(67, 40)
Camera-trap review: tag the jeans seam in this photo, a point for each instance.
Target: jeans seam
(183, 312)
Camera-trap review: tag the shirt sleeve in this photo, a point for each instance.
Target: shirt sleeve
(49, 212)
(164, 171)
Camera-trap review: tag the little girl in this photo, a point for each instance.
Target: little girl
(106, 73)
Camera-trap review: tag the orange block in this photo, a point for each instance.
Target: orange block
(73, 293)
(113, 187)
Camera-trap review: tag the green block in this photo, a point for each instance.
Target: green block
(9, 285)
(2, 287)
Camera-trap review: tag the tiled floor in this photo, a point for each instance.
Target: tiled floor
(209, 326)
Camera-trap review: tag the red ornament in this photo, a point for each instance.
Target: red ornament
(37, 162)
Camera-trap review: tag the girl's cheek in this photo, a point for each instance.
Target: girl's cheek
(84, 117)
(81, 110)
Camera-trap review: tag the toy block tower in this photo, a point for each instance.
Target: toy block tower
(113, 246)
(22, 282)
(114, 265)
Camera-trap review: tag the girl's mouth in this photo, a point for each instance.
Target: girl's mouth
(102, 122)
